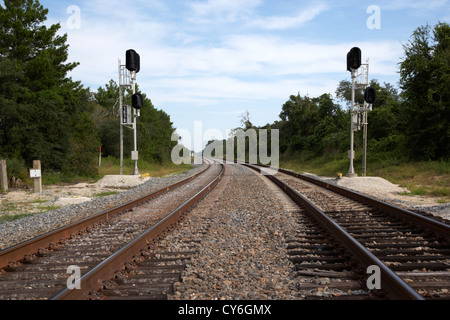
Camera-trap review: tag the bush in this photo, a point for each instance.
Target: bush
(16, 168)
(387, 144)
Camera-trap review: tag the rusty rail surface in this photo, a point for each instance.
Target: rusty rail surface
(395, 287)
(433, 225)
(92, 281)
(30, 247)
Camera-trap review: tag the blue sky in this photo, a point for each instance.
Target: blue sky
(210, 60)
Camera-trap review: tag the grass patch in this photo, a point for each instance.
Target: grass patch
(415, 191)
(17, 210)
(49, 178)
(438, 192)
(111, 166)
(8, 218)
(48, 208)
(320, 166)
(12, 217)
(425, 178)
(8, 206)
(38, 201)
(105, 194)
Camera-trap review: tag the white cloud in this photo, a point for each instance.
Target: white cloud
(258, 68)
(229, 11)
(416, 4)
(124, 10)
(180, 68)
(212, 59)
(202, 74)
(275, 56)
(285, 22)
(98, 45)
(219, 11)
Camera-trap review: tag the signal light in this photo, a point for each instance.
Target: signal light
(137, 101)
(354, 59)
(133, 61)
(370, 95)
(350, 62)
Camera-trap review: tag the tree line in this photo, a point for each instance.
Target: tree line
(411, 123)
(46, 115)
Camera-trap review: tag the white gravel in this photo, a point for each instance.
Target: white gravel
(121, 181)
(105, 184)
(386, 191)
(371, 185)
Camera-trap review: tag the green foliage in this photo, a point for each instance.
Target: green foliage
(154, 128)
(8, 218)
(425, 81)
(105, 194)
(16, 168)
(111, 166)
(154, 134)
(82, 159)
(312, 125)
(43, 114)
(46, 115)
(413, 124)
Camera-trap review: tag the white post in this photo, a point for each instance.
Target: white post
(364, 168)
(366, 123)
(351, 172)
(37, 176)
(100, 157)
(121, 117)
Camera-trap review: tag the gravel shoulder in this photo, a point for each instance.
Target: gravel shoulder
(62, 204)
(384, 190)
(26, 201)
(58, 205)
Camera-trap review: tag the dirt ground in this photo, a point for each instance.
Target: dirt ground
(23, 201)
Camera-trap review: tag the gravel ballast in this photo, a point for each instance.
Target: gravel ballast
(243, 256)
(17, 231)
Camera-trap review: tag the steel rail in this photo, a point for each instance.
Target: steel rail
(432, 225)
(394, 287)
(91, 281)
(32, 246)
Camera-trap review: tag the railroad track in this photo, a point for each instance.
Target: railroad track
(348, 232)
(81, 260)
(139, 250)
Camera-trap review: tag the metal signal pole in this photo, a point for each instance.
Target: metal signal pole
(127, 80)
(123, 82)
(134, 155)
(359, 113)
(351, 172)
(353, 64)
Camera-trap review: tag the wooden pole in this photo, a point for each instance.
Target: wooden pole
(3, 176)
(37, 181)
